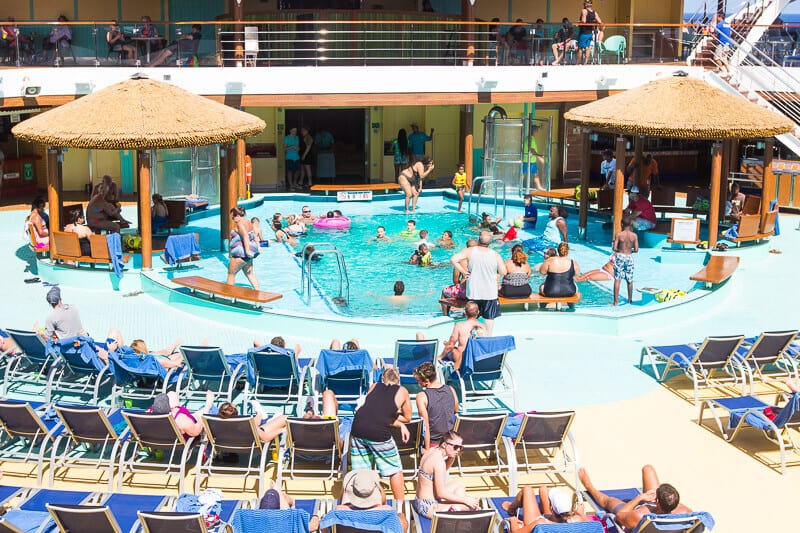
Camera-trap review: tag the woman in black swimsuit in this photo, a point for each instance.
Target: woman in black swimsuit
(560, 271)
(410, 180)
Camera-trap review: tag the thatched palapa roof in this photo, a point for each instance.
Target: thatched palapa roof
(139, 113)
(680, 107)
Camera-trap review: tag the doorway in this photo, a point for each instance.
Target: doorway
(349, 130)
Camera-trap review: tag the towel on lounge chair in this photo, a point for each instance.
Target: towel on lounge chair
(86, 349)
(481, 348)
(738, 409)
(27, 521)
(772, 205)
(126, 365)
(287, 520)
(672, 521)
(251, 371)
(114, 242)
(335, 361)
(369, 520)
(180, 247)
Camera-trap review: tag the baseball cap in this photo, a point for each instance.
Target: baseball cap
(560, 502)
(54, 296)
(634, 189)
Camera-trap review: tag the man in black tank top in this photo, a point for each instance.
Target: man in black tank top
(587, 37)
(387, 404)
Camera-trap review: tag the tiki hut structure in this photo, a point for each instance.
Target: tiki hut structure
(684, 108)
(147, 115)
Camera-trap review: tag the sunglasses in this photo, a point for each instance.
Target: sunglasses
(456, 447)
(306, 211)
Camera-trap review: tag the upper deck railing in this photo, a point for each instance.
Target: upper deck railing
(321, 39)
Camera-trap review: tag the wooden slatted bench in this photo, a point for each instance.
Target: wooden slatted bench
(750, 228)
(234, 292)
(327, 189)
(542, 301)
(36, 247)
(68, 248)
(718, 269)
(556, 194)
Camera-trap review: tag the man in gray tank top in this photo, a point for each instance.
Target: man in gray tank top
(485, 267)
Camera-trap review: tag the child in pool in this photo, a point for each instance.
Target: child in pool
(296, 226)
(259, 235)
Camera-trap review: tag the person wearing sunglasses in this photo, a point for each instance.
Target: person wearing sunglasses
(434, 491)
(306, 216)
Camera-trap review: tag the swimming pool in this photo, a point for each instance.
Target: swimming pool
(373, 267)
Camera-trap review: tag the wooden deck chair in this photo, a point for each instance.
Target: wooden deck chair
(767, 356)
(206, 368)
(154, 445)
(752, 205)
(236, 435)
(701, 363)
(312, 449)
(768, 224)
(485, 451)
(751, 412)
(27, 433)
(176, 215)
(544, 444)
(33, 364)
(89, 440)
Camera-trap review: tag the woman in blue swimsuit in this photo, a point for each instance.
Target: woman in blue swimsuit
(243, 248)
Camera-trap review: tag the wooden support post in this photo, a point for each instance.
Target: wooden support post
(768, 183)
(241, 185)
(145, 222)
(224, 200)
(713, 204)
(619, 187)
(232, 189)
(638, 156)
(586, 156)
(54, 187)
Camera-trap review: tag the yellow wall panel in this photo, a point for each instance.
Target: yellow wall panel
(75, 169)
(97, 10)
(51, 9)
(105, 162)
(133, 11)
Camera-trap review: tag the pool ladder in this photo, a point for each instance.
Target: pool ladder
(323, 248)
(481, 182)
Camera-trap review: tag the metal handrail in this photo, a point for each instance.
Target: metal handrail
(308, 260)
(481, 182)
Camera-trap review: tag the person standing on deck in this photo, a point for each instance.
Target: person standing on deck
(626, 243)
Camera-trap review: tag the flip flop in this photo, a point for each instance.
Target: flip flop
(775, 251)
(32, 280)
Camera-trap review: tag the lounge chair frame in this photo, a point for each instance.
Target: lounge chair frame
(343, 383)
(781, 436)
(163, 521)
(545, 435)
(136, 391)
(34, 361)
(299, 441)
(75, 517)
(445, 522)
(157, 432)
(768, 358)
(491, 452)
(410, 449)
(230, 435)
(195, 380)
(480, 385)
(267, 366)
(714, 356)
(19, 422)
(85, 427)
(72, 374)
(661, 523)
(405, 361)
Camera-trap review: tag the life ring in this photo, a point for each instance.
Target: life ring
(332, 223)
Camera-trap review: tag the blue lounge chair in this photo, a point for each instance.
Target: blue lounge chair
(749, 411)
(275, 377)
(346, 521)
(571, 527)
(767, 356)
(544, 444)
(88, 438)
(484, 374)
(410, 454)
(79, 369)
(486, 452)
(33, 363)
(408, 355)
(712, 363)
(235, 435)
(483, 521)
(170, 522)
(207, 368)
(151, 436)
(311, 449)
(27, 431)
(116, 513)
(138, 376)
(652, 523)
(32, 514)
(348, 373)
(285, 521)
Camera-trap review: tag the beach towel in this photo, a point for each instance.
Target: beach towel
(28, 521)
(251, 371)
(180, 247)
(383, 520)
(84, 347)
(127, 365)
(738, 409)
(285, 521)
(114, 243)
(334, 361)
(772, 205)
(208, 502)
(480, 348)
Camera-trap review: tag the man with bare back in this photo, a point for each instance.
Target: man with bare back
(626, 243)
(462, 332)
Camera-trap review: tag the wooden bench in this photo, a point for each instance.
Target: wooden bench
(718, 269)
(176, 215)
(750, 228)
(234, 292)
(36, 247)
(455, 303)
(68, 248)
(555, 194)
(385, 187)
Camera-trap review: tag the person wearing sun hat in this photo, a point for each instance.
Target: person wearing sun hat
(557, 507)
(362, 491)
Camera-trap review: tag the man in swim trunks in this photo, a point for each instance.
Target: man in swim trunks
(626, 243)
(655, 498)
(462, 331)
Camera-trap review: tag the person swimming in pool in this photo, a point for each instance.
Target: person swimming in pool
(259, 234)
(411, 231)
(380, 235)
(243, 248)
(399, 297)
(446, 240)
(560, 271)
(604, 273)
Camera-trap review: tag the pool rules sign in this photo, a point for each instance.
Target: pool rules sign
(354, 196)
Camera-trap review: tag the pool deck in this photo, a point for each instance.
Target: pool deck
(563, 360)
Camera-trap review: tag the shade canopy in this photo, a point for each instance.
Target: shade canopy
(680, 107)
(139, 113)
